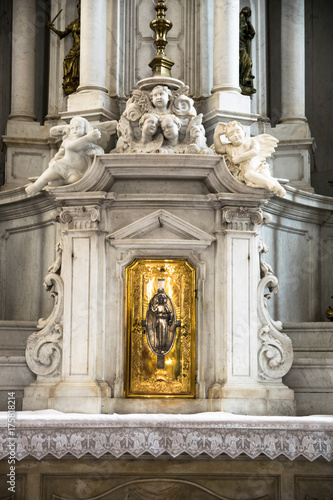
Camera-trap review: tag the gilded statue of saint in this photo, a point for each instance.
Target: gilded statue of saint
(246, 34)
(72, 60)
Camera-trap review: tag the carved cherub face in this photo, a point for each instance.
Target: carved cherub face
(236, 135)
(170, 126)
(160, 97)
(77, 128)
(150, 125)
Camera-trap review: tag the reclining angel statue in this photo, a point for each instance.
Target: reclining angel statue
(75, 154)
(245, 156)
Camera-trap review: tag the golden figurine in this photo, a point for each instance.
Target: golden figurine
(72, 60)
(246, 34)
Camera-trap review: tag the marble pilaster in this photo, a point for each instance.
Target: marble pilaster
(72, 339)
(245, 382)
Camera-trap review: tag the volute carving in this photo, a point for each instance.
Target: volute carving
(275, 354)
(44, 347)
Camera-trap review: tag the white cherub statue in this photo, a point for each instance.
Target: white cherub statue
(75, 153)
(245, 156)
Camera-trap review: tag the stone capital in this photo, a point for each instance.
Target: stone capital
(241, 218)
(78, 217)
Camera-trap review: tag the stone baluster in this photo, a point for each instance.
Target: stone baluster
(23, 60)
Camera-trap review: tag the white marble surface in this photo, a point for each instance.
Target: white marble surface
(226, 46)
(292, 61)
(50, 432)
(92, 47)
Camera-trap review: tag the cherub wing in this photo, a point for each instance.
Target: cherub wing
(106, 129)
(267, 144)
(93, 150)
(60, 131)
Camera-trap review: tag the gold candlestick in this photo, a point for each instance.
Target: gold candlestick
(161, 65)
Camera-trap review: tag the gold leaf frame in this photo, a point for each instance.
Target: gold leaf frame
(143, 378)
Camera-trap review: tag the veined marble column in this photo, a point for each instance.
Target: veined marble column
(226, 46)
(91, 99)
(293, 157)
(23, 60)
(293, 61)
(226, 102)
(93, 45)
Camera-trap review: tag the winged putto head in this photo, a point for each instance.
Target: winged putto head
(161, 120)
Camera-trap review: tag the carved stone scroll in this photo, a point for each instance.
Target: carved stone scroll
(275, 354)
(44, 347)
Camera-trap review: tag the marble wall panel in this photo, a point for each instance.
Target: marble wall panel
(145, 48)
(313, 488)
(182, 478)
(293, 255)
(144, 487)
(325, 256)
(27, 250)
(26, 160)
(19, 491)
(79, 346)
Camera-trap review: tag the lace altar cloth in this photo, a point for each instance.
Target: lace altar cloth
(39, 433)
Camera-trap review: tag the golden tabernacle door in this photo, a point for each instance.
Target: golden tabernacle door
(160, 328)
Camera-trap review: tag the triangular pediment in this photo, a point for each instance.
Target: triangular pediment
(159, 228)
